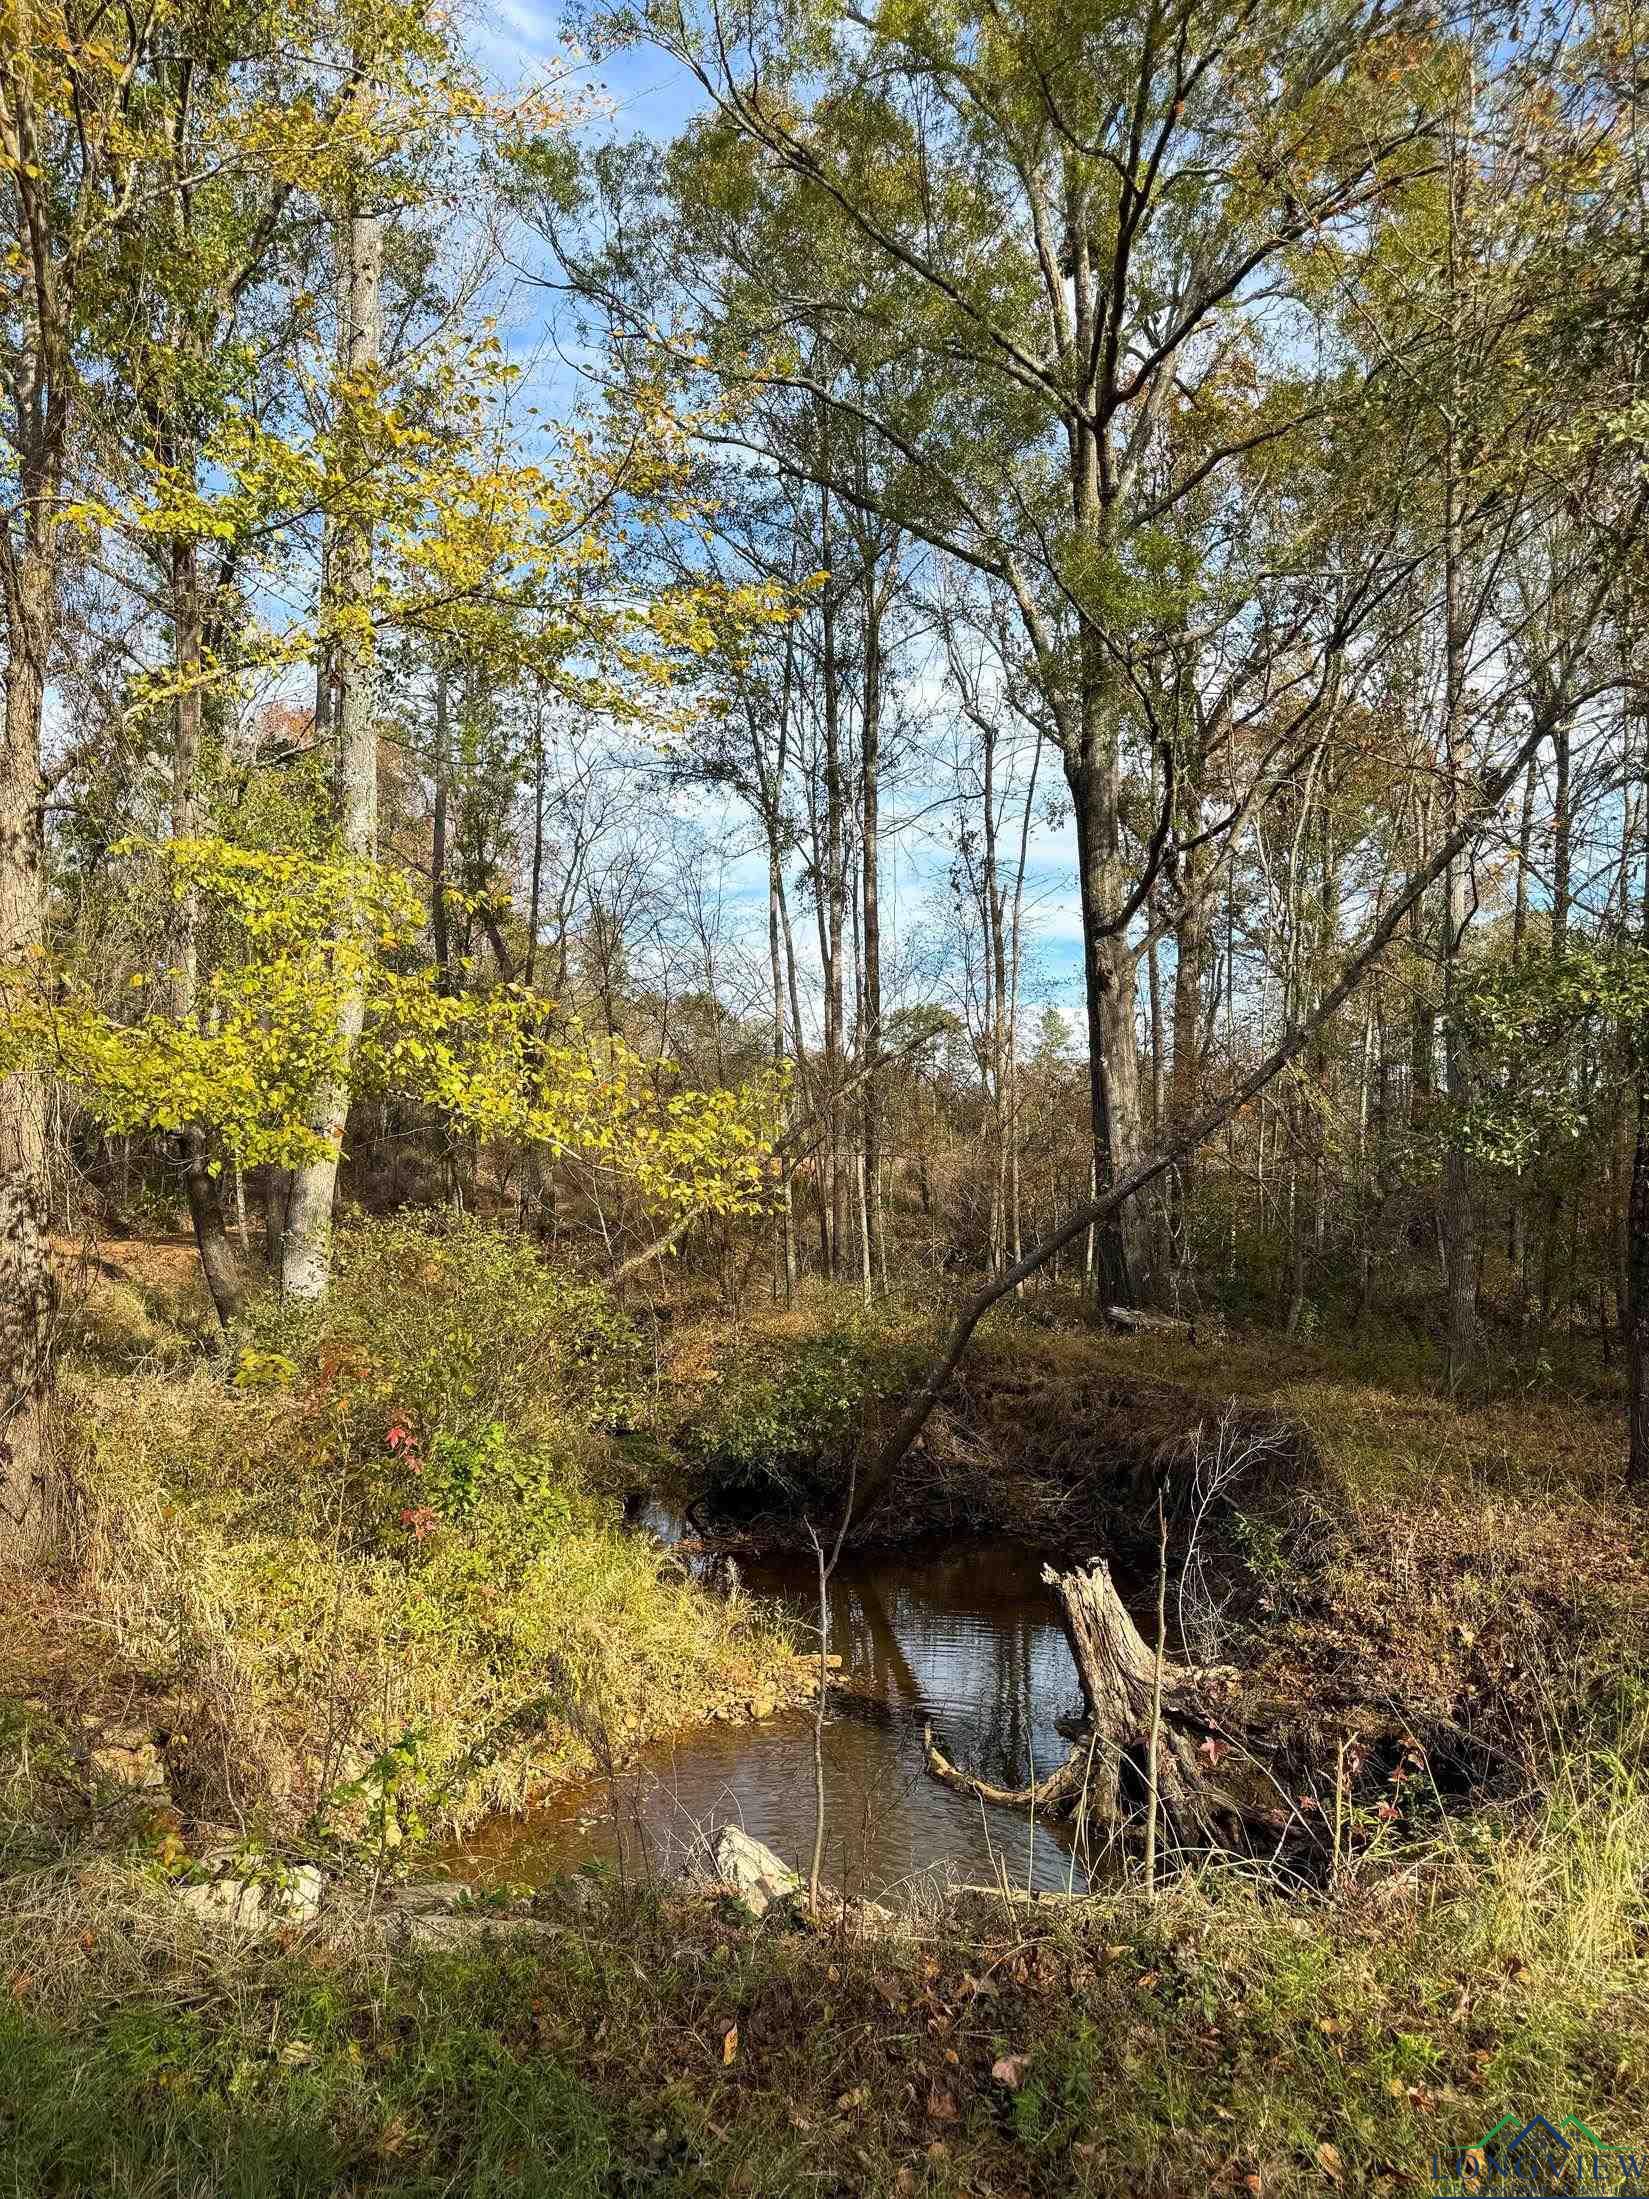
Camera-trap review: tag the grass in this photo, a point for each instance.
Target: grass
(1218, 2039)
(392, 1525)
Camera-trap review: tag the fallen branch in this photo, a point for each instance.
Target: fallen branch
(1138, 1321)
(1094, 1213)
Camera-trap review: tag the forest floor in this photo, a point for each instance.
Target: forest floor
(1216, 2040)
(1378, 1556)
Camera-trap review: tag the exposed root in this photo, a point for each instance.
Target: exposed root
(1056, 1796)
(1107, 1768)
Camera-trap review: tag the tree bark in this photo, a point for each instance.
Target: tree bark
(1457, 1214)
(775, 955)
(1113, 1066)
(1562, 858)
(1190, 950)
(831, 906)
(219, 1262)
(29, 1518)
(1637, 1298)
(438, 915)
(1515, 1251)
(995, 1018)
(870, 794)
(306, 1271)
(1637, 1212)
(1423, 1037)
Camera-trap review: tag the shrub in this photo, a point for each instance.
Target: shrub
(451, 1377)
(358, 1537)
(465, 1323)
(785, 1409)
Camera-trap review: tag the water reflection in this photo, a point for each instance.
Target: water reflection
(969, 1640)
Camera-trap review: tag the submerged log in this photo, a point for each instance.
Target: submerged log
(1108, 1770)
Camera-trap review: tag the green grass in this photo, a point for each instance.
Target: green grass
(1220, 2034)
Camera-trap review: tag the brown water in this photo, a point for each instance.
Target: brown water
(969, 1640)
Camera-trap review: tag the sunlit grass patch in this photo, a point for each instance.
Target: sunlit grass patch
(391, 1523)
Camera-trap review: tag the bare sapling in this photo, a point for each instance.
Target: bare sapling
(826, 1572)
(1154, 1737)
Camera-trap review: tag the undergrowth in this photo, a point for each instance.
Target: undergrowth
(390, 1522)
(361, 1533)
(779, 1405)
(1228, 2037)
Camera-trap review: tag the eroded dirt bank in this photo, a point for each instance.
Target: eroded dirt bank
(1380, 1563)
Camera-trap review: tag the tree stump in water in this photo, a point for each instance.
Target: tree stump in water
(1108, 1769)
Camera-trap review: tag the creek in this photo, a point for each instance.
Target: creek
(967, 1639)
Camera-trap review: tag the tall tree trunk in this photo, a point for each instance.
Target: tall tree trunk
(1190, 947)
(832, 920)
(1457, 1213)
(1113, 1063)
(218, 1260)
(1015, 958)
(1423, 1045)
(775, 952)
(438, 913)
(535, 895)
(1637, 1294)
(995, 1016)
(1520, 921)
(871, 962)
(1562, 846)
(1153, 973)
(1637, 1212)
(307, 1267)
(30, 1524)
(1562, 837)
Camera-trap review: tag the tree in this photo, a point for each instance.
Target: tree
(75, 146)
(1026, 242)
(306, 1264)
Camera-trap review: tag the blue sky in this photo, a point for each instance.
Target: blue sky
(648, 94)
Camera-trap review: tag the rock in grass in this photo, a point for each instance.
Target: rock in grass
(425, 1897)
(254, 1904)
(442, 1913)
(441, 1930)
(753, 1873)
(129, 1758)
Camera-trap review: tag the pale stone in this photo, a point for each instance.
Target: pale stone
(753, 1872)
(130, 1760)
(443, 1912)
(424, 1896)
(256, 1906)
